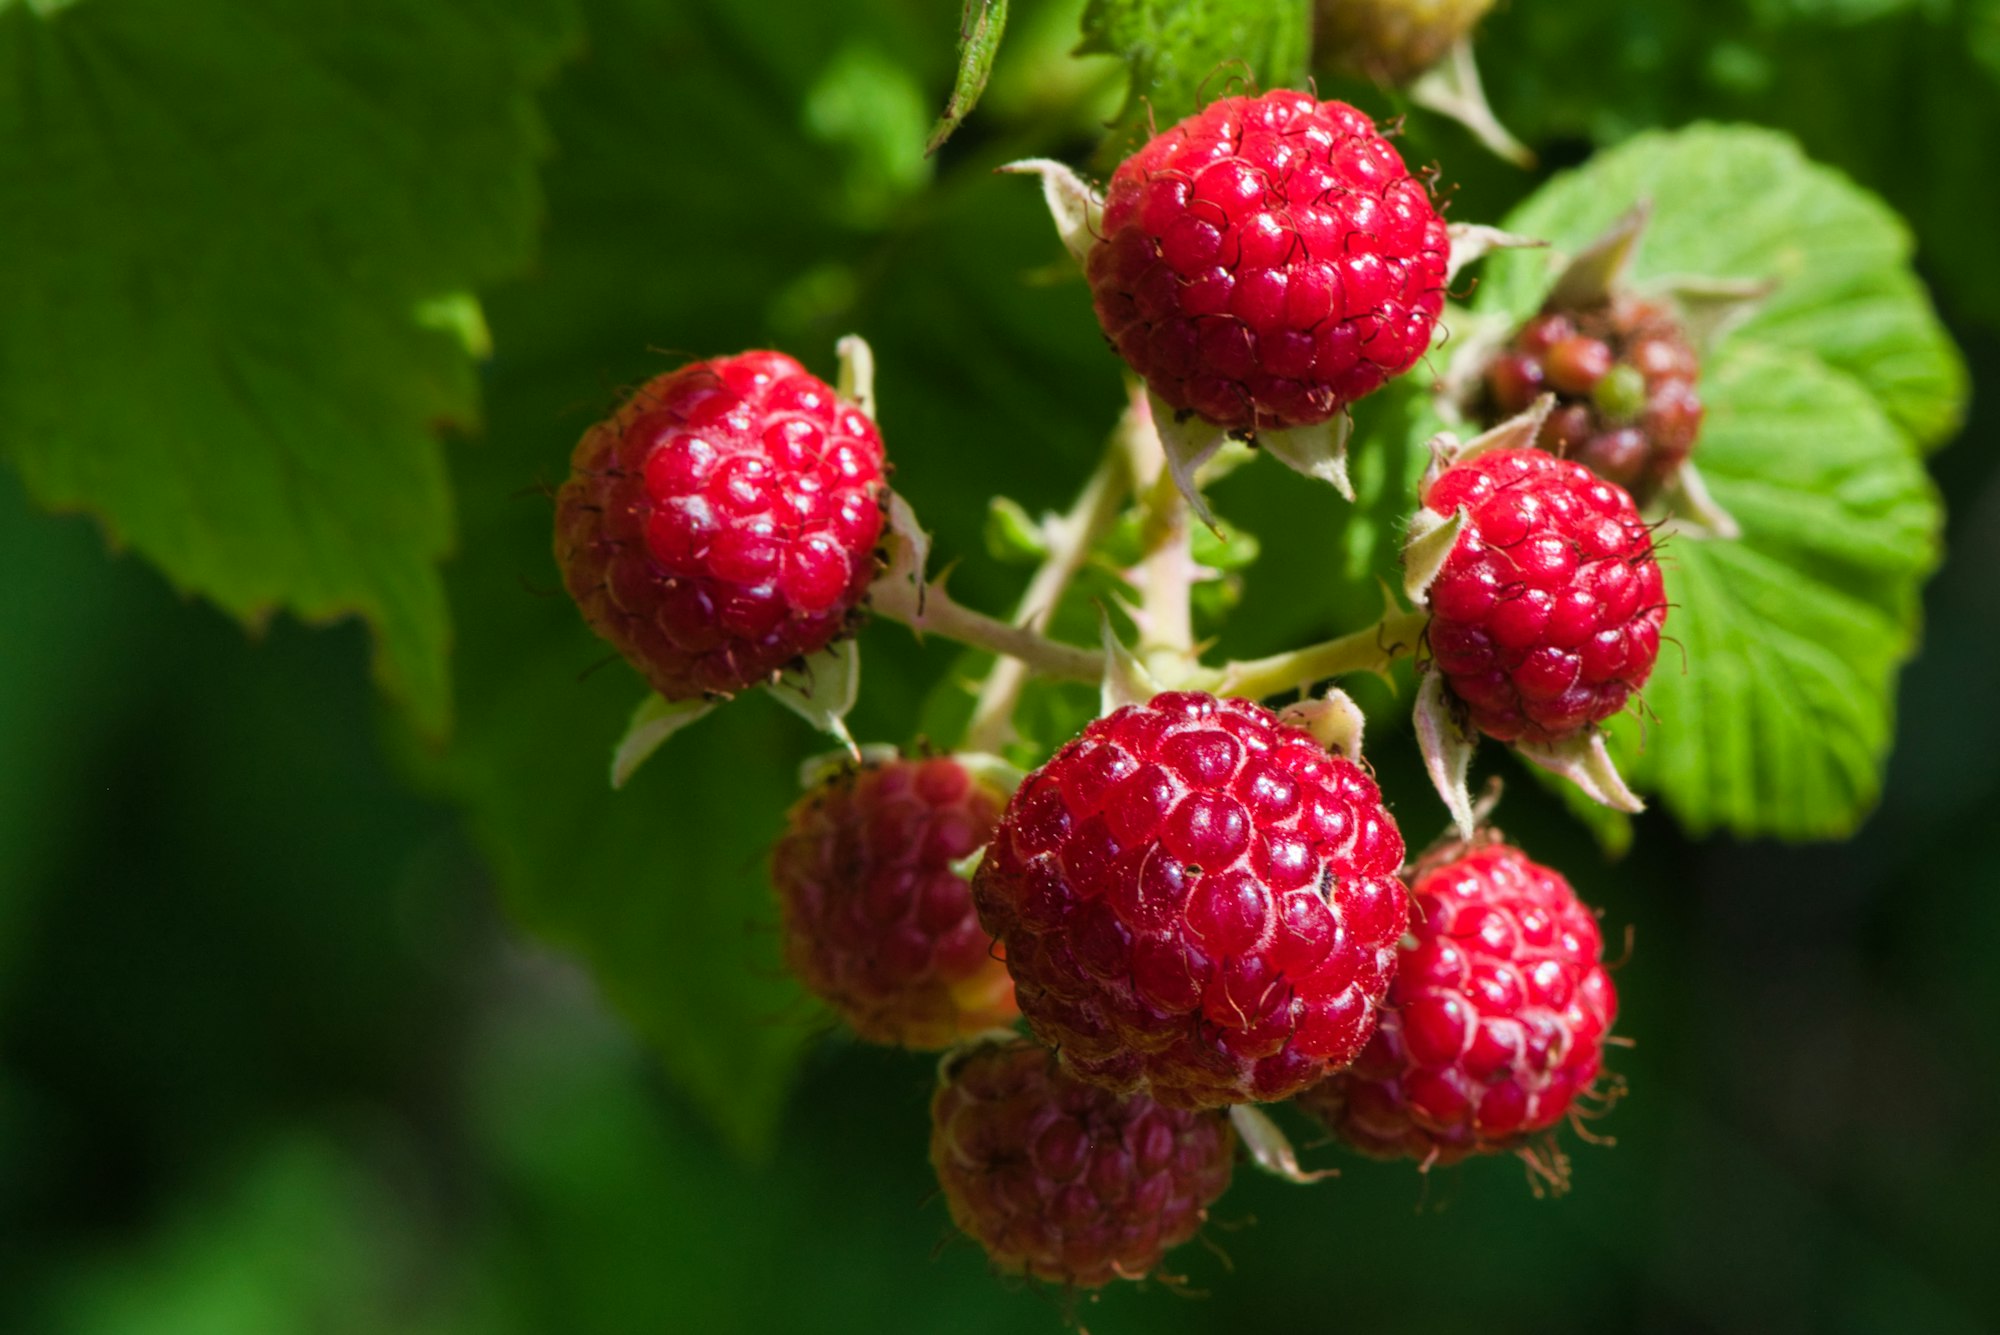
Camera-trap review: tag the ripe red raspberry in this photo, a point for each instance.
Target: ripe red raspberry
(1495, 1022)
(1546, 615)
(722, 522)
(876, 922)
(1268, 261)
(1065, 1182)
(1197, 902)
(1623, 373)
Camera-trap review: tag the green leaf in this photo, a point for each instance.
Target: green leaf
(1781, 719)
(1012, 534)
(229, 235)
(1183, 53)
(979, 32)
(1740, 202)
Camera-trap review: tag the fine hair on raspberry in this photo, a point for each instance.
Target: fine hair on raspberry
(1268, 261)
(1496, 1022)
(1064, 1182)
(876, 922)
(1197, 901)
(722, 523)
(1546, 615)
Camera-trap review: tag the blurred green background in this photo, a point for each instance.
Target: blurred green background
(277, 1055)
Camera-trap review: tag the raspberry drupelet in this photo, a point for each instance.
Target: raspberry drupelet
(722, 523)
(1495, 1022)
(1546, 616)
(1268, 261)
(1197, 902)
(876, 922)
(1065, 1182)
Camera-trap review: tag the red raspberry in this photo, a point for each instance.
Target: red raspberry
(722, 522)
(1546, 616)
(1197, 902)
(1495, 1023)
(1624, 376)
(876, 922)
(1065, 1182)
(1268, 261)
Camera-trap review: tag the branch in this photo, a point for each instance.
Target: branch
(932, 611)
(1371, 649)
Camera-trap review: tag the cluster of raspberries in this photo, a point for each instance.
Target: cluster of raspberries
(1192, 904)
(1196, 906)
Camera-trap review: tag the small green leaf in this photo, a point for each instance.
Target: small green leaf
(1224, 547)
(1012, 535)
(1184, 53)
(979, 32)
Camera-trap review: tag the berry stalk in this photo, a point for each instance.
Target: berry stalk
(1370, 649)
(929, 610)
(1166, 576)
(1070, 540)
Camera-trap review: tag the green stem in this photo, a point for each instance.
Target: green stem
(1371, 649)
(932, 611)
(1070, 539)
(1166, 575)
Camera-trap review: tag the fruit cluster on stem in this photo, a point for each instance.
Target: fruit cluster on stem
(1195, 904)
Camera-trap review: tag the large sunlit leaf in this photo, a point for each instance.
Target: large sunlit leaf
(1779, 717)
(234, 253)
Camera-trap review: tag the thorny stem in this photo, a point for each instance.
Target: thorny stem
(1165, 572)
(1070, 539)
(1370, 649)
(932, 611)
(1165, 576)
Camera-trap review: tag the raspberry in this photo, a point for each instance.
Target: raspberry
(722, 522)
(876, 922)
(1268, 261)
(1495, 1023)
(1392, 41)
(1546, 615)
(1623, 373)
(1197, 902)
(1065, 1182)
